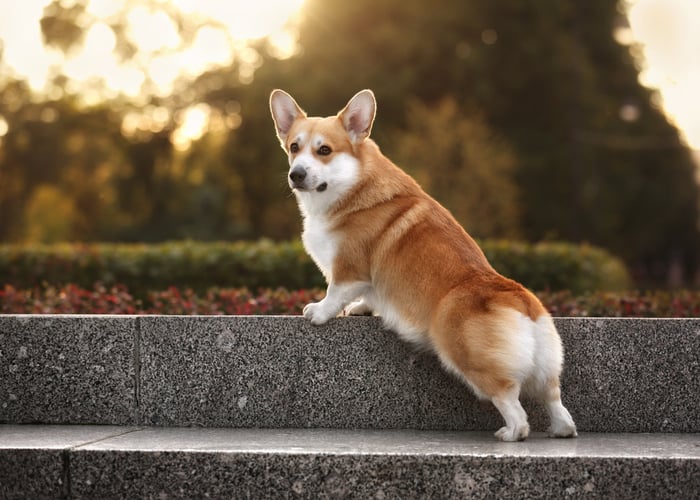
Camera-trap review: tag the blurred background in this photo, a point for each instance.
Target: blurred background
(148, 120)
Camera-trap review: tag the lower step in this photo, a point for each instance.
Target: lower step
(38, 461)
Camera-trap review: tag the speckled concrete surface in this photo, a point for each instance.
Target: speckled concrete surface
(33, 458)
(389, 464)
(632, 375)
(67, 369)
(283, 372)
(621, 375)
(315, 463)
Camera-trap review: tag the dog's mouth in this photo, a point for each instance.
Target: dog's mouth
(301, 186)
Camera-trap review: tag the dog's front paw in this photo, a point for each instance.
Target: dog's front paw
(316, 313)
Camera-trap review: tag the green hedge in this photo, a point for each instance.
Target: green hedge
(141, 267)
(557, 266)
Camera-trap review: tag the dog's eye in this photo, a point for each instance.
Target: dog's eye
(294, 147)
(324, 150)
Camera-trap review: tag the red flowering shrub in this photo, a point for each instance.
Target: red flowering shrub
(69, 299)
(72, 299)
(236, 301)
(657, 304)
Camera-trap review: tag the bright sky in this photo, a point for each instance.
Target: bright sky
(668, 32)
(221, 30)
(160, 57)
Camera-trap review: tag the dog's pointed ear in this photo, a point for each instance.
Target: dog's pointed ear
(358, 115)
(285, 111)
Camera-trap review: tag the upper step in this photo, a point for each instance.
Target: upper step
(621, 375)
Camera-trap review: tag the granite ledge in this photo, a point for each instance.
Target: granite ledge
(621, 375)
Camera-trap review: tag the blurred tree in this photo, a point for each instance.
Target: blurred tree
(461, 159)
(567, 143)
(60, 25)
(599, 159)
(49, 215)
(550, 78)
(54, 151)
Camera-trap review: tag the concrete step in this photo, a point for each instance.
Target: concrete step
(621, 375)
(107, 462)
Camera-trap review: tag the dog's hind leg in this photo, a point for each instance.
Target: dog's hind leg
(508, 404)
(360, 307)
(561, 423)
(505, 396)
(492, 353)
(543, 383)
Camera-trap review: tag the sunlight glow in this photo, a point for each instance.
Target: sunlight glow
(664, 32)
(152, 31)
(244, 19)
(162, 53)
(193, 124)
(163, 70)
(103, 8)
(23, 48)
(211, 47)
(670, 42)
(96, 56)
(215, 35)
(3, 126)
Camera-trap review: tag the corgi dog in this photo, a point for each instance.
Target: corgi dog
(387, 248)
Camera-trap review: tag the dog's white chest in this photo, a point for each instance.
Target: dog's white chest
(320, 243)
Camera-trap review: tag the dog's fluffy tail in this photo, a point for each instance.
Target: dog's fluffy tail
(501, 354)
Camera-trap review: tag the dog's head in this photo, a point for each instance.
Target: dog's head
(321, 151)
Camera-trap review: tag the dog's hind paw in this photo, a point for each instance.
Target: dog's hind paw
(510, 434)
(568, 431)
(358, 308)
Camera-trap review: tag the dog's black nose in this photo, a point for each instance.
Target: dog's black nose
(297, 175)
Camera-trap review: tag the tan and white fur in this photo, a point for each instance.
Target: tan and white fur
(386, 247)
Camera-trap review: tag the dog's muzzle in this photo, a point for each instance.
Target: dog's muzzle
(297, 180)
(297, 177)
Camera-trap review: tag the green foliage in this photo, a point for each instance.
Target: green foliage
(200, 266)
(471, 170)
(144, 267)
(557, 266)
